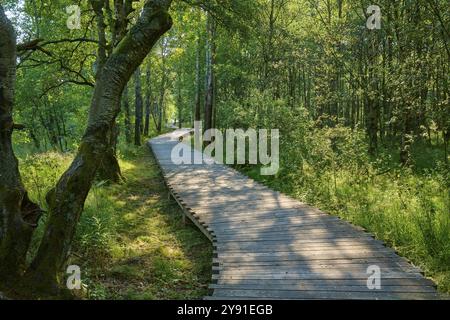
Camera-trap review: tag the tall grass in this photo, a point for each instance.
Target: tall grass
(40, 173)
(130, 241)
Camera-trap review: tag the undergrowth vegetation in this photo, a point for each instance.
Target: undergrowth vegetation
(131, 242)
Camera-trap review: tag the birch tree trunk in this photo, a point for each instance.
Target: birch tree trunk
(138, 108)
(148, 100)
(126, 108)
(210, 90)
(197, 107)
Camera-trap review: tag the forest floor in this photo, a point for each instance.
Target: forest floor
(131, 242)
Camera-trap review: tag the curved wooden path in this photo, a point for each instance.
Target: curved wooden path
(269, 246)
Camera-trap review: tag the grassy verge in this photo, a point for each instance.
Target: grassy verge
(131, 242)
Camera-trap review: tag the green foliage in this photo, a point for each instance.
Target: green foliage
(130, 242)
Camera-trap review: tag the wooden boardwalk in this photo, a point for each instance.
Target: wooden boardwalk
(270, 246)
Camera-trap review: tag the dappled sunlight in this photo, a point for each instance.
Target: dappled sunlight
(146, 241)
(269, 245)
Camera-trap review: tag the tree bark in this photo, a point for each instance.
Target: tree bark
(148, 100)
(138, 108)
(126, 108)
(67, 199)
(210, 90)
(18, 215)
(197, 107)
(162, 89)
(109, 169)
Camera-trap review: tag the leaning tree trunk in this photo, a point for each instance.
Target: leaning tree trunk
(18, 215)
(67, 199)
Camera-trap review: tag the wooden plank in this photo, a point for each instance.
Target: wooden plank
(265, 216)
(307, 247)
(298, 286)
(278, 225)
(326, 282)
(223, 221)
(320, 295)
(295, 234)
(293, 218)
(324, 268)
(304, 237)
(299, 275)
(381, 261)
(244, 205)
(294, 249)
(343, 252)
(291, 230)
(302, 257)
(299, 242)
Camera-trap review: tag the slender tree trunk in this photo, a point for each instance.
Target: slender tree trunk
(162, 90)
(148, 100)
(370, 94)
(179, 106)
(210, 59)
(197, 107)
(126, 108)
(138, 107)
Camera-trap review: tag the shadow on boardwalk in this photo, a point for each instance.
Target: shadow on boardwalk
(269, 246)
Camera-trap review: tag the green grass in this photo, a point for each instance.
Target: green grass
(131, 242)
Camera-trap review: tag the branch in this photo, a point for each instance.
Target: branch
(19, 127)
(30, 45)
(81, 83)
(38, 43)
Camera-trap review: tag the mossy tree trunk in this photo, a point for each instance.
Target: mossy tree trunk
(67, 199)
(18, 215)
(109, 169)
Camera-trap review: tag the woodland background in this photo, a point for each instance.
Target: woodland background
(363, 115)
